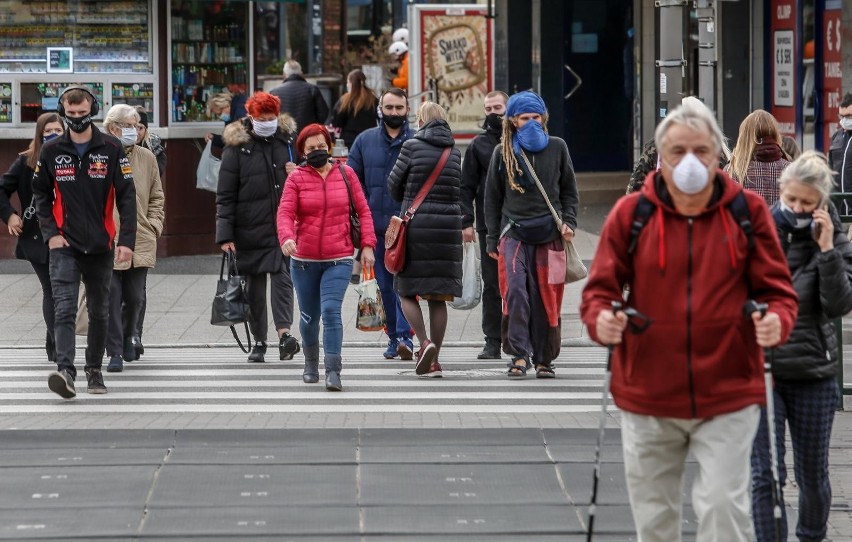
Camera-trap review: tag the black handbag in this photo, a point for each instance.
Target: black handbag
(354, 219)
(230, 305)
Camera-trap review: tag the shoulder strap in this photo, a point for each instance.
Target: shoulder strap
(430, 182)
(644, 210)
(352, 211)
(741, 213)
(556, 217)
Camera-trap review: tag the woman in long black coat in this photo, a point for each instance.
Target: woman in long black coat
(257, 158)
(31, 245)
(433, 266)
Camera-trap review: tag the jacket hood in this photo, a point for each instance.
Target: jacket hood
(437, 132)
(237, 133)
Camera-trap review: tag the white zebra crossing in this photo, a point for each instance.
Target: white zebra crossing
(219, 380)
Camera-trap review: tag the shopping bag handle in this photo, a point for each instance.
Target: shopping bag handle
(231, 258)
(368, 273)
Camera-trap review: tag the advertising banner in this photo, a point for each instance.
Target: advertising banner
(451, 56)
(786, 66)
(832, 75)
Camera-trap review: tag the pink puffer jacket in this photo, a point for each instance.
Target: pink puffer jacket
(315, 213)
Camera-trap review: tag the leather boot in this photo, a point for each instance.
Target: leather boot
(311, 373)
(491, 350)
(257, 352)
(333, 363)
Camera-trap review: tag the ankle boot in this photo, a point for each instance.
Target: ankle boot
(257, 352)
(333, 363)
(311, 374)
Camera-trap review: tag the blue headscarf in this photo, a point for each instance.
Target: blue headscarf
(531, 137)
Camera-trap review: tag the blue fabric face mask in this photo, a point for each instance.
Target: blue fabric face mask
(48, 137)
(787, 216)
(530, 137)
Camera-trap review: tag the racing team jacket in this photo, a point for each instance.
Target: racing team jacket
(75, 195)
(691, 275)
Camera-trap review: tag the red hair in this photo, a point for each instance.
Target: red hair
(263, 103)
(309, 131)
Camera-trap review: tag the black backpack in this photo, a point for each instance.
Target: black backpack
(645, 208)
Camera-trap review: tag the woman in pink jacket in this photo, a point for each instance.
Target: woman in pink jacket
(314, 230)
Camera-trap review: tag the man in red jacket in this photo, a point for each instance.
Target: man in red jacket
(692, 382)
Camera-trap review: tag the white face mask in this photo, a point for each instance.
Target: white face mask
(128, 137)
(264, 128)
(846, 124)
(690, 175)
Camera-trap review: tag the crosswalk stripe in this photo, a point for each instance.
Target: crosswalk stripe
(218, 380)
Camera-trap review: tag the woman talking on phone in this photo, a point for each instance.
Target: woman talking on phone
(804, 369)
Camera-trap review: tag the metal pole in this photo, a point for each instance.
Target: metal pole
(706, 12)
(672, 64)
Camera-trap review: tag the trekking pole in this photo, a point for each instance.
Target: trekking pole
(636, 323)
(750, 307)
(616, 308)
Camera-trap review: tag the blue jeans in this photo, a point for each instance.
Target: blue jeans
(67, 267)
(320, 287)
(396, 324)
(807, 406)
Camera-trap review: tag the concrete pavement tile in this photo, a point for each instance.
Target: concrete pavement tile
(519, 521)
(67, 438)
(584, 453)
(612, 487)
(254, 486)
(263, 437)
(111, 524)
(460, 484)
(82, 457)
(71, 486)
(453, 454)
(442, 437)
(244, 523)
(527, 537)
(580, 435)
(279, 455)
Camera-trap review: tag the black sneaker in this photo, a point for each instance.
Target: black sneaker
(96, 381)
(257, 352)
(490, 351)
(116, 365)
(61, 383)
(288, 346)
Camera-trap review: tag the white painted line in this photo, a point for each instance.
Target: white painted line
(318, 394)
(276, 370)
(65, 408)
(446, 382)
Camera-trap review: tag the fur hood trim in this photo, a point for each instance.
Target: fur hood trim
(236, 134)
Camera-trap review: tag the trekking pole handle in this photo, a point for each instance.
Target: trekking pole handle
(751, 306)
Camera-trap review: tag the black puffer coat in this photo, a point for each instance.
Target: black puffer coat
(434, 243)
(823, 282)
(19, 178)
(302, 101)
(251, 180)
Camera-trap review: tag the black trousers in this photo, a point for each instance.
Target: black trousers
(141, 318)
(126, 295)
(42, 271)
(67, 268)
(492, 303)
(281, 299)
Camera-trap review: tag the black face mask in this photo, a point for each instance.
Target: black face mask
(394, 121)
(493, 122)
(78, 124)
(318, 158)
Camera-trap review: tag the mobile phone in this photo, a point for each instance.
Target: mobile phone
(816, 228)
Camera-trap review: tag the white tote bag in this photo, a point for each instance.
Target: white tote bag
(471, 279)
(207, 174)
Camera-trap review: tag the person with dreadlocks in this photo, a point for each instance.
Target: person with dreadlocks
(523, 236)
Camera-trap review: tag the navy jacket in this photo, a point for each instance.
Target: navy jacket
(373, 156)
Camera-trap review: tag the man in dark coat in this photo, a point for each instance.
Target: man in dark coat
(373, 156)
(840, 151)
(300, 99)
(474, 172)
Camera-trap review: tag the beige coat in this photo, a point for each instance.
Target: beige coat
(150, 207)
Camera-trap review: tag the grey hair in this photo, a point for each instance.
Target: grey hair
(120, 114)
(292, 67)
(694, 114)
(810, 169)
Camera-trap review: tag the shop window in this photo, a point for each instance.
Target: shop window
(209, 54)
(5, 102)
(38, 98)
(103, 37)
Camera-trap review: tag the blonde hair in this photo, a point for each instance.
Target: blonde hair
(120, 114)
(810, 169)
(219, 101)
(756, 127)
(430, 111)
(507, 150)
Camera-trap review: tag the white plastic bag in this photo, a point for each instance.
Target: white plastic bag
(207, 174)
(471, 279)
(371, 312)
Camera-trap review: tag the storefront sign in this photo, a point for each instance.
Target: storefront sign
(786, 93)
(453, 51)
(832, 75)
(60, 60)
